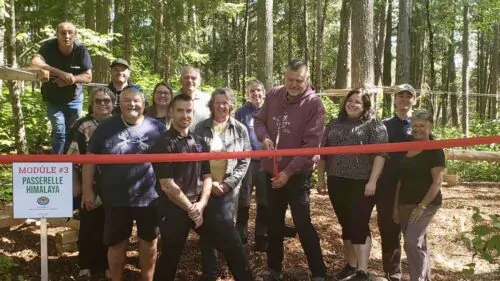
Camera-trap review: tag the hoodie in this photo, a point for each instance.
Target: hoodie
(299, 122)
(245, 115)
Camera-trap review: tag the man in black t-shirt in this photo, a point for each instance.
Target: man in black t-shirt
(184, 189)
(69, 65)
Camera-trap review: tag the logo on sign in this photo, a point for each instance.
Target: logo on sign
(43, 200)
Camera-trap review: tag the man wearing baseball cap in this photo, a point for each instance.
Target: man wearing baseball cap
(120, 79)
(398, 130)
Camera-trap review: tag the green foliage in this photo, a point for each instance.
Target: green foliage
(7, 264)
(483, 241)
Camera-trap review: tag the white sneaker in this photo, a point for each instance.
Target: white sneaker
(85, 273)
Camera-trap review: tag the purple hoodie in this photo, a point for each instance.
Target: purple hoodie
(300, 123)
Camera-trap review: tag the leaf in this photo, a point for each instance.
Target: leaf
(481, 230)
(494, 244)
(476, 217)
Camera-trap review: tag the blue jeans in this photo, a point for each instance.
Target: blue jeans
(61, 117)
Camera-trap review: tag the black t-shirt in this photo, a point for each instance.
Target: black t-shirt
(416, 178)
(187, 175)
(75, 63)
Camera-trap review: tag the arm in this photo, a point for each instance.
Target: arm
(321, 185)
(77, 183)
(206, 190)
(395, 210)
(175, 194)
(39, 62)
(85, 77)
(260, 122)
(242, 163)
(377, 167)
(88, 196)
(437, 180)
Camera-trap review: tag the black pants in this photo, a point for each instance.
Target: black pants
(174, 228)
(390, 232)
(296, 194)
(92, 251)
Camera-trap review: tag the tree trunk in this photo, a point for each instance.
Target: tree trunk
(379, 47)
(403, 50)
(158, 12)
(431, 45)
(387, 75)
(245, 43)
(290, 16)
(2, 33)
(265, 42)
(319, 47)
(305, 39)
(342, 76)
(465, 73)
(127, 30)
(14, 86)
(362, 43)
(494, 71)
(90, 14)
(417, 35)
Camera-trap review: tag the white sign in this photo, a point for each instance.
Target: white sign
(42, 190)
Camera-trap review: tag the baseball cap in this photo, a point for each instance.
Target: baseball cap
(120, 61)
(405, 88)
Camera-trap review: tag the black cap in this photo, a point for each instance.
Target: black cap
(120, 61)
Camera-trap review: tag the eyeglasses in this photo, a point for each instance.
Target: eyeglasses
(102, 101)
(162, 93)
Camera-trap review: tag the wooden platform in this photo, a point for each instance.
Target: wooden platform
(24, 74)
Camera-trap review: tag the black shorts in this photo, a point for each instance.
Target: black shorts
(119, 221)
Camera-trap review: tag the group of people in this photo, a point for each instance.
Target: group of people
(212, 197)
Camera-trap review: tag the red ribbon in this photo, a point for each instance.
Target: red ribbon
(183, 157)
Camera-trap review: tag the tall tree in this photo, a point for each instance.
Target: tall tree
(318, 62)
(265, 42)
(305, 39)
(90, 14)
(386, 72)
(342, 78)
(492, 109)
(158, 22)
(245, 41)
(2, 32)
(465, 72)
(14, 86)
(362, 56)
(380, 29)
(403, 49)
(431, 45)
(127, 30)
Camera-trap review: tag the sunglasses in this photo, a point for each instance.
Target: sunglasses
(102, 101)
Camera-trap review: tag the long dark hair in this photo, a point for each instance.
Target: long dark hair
(366, 114)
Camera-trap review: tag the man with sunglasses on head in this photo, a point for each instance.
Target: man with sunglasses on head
(69, 65)
(127, 190)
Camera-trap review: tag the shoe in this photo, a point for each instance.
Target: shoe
(260, 243)
(270, 276)
(346, 273)
(85, 273)
(290, 231)
(361, 276)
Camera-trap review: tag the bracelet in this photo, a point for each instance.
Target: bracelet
(421, 205)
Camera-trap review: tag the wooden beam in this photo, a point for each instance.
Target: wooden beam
(472, 155)
(24, 74)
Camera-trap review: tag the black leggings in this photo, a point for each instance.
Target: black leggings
(352, 207)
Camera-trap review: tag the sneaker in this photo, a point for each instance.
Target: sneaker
(346, 273)
(361, 276)
(85, 273)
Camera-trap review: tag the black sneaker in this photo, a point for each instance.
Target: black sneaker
(361, 276)
(347, 273)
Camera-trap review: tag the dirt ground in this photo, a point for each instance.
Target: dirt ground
(448, 256)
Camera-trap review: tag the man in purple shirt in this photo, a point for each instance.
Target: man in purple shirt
(292, 116)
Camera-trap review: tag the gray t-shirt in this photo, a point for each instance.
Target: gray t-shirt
(352, 132)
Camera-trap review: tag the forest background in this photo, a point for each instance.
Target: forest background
(447, 49)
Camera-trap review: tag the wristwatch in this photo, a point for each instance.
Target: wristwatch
(422, 205)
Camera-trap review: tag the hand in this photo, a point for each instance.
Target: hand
(267, 144)
(88, 200)
(217, 188)
(280, 180)
(395, 215)
(321, 187)
(196, 213)
(60, 82)
(68, 78)
(416, 214)
(370, 188)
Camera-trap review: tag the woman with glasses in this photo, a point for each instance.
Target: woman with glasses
(352, 179)
(418, 196)
(92, 252)
(162, 96)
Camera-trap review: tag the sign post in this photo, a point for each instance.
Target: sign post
(41, 191)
